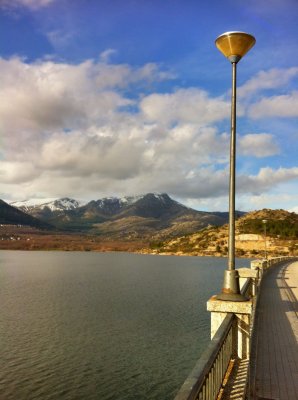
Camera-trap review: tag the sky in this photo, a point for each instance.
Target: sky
(102, 98)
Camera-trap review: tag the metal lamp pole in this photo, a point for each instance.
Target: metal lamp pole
(234, 45)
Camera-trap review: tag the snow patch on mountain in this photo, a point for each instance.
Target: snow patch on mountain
(128, 200)
(64, 204)
(116, 201)
(53, 204)
(31, 202)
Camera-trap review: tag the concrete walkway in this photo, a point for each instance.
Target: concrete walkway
(274, 363)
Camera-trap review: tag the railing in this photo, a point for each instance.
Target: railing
(247, 289)
(207, 377)
(205, 380)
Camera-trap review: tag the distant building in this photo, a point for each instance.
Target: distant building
(248, 237)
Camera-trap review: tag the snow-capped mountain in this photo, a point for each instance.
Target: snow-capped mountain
(32, 205)
(10, 215)
(140, 216)
(114, 203)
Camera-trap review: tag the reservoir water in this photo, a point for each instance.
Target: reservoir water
(104, 326)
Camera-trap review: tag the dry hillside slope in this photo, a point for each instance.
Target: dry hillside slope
(281, 237)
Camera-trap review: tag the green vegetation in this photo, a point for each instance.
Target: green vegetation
(156, 245)
(282, 228)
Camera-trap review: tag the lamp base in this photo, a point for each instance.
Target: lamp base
(231, 288)
(231, 297)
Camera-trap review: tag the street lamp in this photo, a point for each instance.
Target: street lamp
(265, 231)
(233, 45)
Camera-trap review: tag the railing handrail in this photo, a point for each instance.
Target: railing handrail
(245, 288)
(194, 387)
(196, 378)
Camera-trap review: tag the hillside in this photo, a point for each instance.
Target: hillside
(12, 216)
(279, 223)
(281, 238)
(151, 216)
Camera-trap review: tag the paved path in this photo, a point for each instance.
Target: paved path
(275, 360)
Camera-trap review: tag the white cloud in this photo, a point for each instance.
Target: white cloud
(45, 95)
(184, 105)
(266, 179)
(266, 189)
(106, 55)
(32, 4)
(277, 200)
(258, 145)
(60, 38)
(69, 130)
(275, 106)
(114, 157)
(15, 172)
(271, 79)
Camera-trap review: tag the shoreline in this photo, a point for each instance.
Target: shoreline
(179, 254)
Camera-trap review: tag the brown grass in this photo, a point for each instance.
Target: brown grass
(24, 238)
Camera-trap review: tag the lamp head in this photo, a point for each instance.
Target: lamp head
(234, 45)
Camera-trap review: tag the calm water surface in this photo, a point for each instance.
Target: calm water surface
(102, 326)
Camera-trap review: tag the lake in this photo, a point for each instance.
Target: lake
(104, 326)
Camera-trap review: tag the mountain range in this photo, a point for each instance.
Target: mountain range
(132, 217)
(10, 215)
